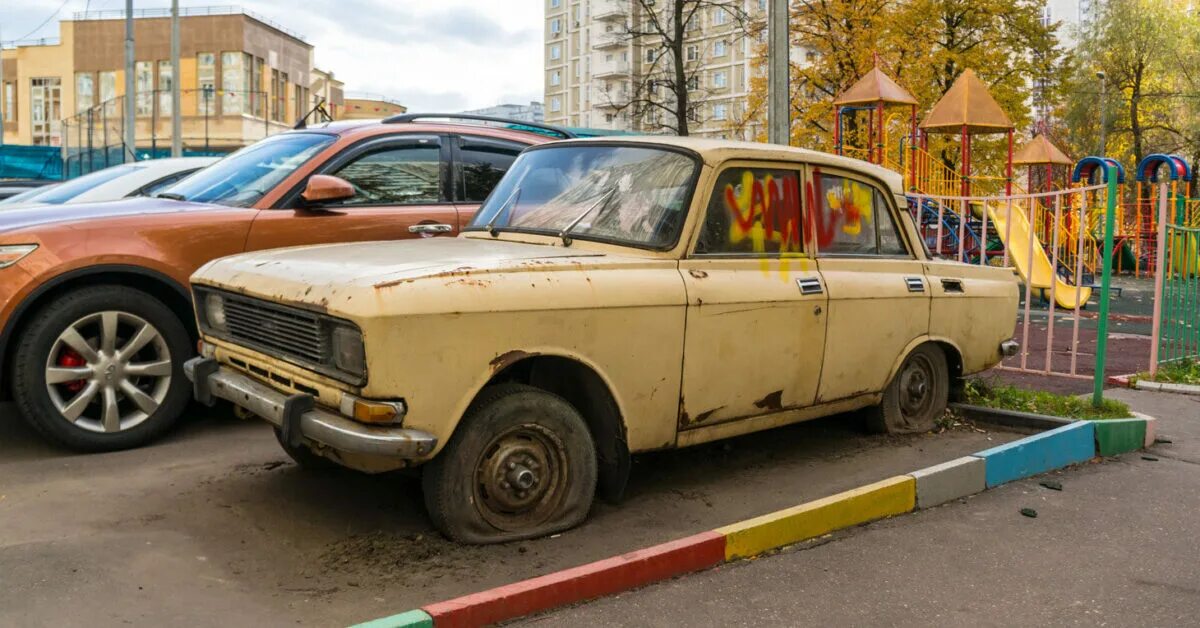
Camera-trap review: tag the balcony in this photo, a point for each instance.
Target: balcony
(607, 41)
(610, 69)
(611, 10)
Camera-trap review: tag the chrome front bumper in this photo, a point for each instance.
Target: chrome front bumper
(299, 419)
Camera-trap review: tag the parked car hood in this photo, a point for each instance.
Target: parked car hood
(25, 217)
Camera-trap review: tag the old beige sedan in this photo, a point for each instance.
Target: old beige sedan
(611, 297)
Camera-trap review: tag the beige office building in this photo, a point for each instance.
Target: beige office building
(592, 67)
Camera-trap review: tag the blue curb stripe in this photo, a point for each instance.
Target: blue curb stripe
(411, 619)
(1057, 448)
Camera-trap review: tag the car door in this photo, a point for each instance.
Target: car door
(479, 163)
(878, 295)
(401, 188)
(755, 330)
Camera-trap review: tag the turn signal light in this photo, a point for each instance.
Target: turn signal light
(364, 411)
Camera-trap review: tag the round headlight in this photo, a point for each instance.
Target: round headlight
(214, 312)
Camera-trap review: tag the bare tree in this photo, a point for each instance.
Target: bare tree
(669, 46)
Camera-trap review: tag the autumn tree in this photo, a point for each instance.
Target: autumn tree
(670, 41)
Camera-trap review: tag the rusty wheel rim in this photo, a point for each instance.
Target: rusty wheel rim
(916, 388)
(520, 478)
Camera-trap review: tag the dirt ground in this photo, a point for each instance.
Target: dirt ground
(215, 527)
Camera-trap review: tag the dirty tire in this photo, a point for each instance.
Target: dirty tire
(84, 318)
(304, 457)
(916, 396)
(521, 464)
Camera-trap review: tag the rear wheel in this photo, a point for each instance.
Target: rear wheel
(916, 396)
(521, 464)
(99, 369)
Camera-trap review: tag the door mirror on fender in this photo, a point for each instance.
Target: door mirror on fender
(324, 188)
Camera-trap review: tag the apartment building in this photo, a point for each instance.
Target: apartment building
(369, 106)
(593, 67)
(241, 77)
(533, 112)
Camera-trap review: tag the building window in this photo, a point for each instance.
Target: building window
(692, 24)
(206, 80)
(693, 53)
(555, 52)
(693, 114)
(279, 81)
(258, 98)
(45, 107)
(693, 83)
(555, 104)
(108, 92)
(762, 5)
(720, 16)
(554, 4)
(166, 81)
(720, 78)
(233, 90)
(143, 73)
(720, 112)
(719, 49)
(555, 78)
(10, 102)
(84, 91)
(651, 55)
(555, 26)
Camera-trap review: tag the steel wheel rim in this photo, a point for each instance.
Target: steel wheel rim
(520, 478)
(108, 372)
(916, 387)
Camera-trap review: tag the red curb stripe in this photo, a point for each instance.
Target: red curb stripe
(593, 580)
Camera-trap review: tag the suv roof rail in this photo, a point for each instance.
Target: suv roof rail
(535, 127)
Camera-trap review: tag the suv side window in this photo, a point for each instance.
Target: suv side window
(408, 174)
(754, 212)
(853, 218)
(480, 164)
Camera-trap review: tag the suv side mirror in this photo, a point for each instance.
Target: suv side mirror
(324, 188)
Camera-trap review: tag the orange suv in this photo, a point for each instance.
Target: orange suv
(95, 317)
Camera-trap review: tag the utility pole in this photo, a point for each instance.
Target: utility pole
(130, 96)
(1103, 114)
(176, 120)
(778, 81)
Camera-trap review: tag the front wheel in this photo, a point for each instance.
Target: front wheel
(522, 464)
(99, 369)
(916, 396)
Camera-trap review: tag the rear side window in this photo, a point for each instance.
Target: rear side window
(852, 218)
(481, 163)
(753, 211)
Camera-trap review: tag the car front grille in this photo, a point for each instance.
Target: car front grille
(285, 331)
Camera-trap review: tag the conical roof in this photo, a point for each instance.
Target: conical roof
(1040, 151)
(874, 87)
(967, 104)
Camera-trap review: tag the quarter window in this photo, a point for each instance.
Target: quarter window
(853, 218)
(753, 211)
(480, 166)
(403, 175)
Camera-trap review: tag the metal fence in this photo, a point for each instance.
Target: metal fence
(1176, 334)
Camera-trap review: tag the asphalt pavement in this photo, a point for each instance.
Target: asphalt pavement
(1117, 546)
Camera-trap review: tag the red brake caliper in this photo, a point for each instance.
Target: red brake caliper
(70, 358)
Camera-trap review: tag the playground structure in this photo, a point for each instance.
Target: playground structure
(1064, 233)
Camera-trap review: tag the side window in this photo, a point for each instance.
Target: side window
(480, 165)
(753, 211)
(400, 175)
(853, 218)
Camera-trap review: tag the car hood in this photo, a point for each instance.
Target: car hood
(35, 216)
(424, 274)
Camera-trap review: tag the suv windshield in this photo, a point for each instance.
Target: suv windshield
(621, 194)
(242, 178)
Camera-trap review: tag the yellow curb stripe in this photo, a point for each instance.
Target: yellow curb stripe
(894, 496)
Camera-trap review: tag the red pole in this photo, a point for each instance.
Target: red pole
(965, 166)
(912, 150)
(882, 139)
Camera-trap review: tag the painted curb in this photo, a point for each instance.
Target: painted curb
(1182, 389)
(1011, 418)
(1118, 436)
(593, 580)
(950, 480)
(1057, 448)
(1151, 427)
(1069, 442)
(893, 496)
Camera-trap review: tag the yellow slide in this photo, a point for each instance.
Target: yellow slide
(1038, 271)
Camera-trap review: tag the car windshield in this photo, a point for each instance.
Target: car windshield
(622, 194)
(66, 191)
(242, 178)
(27, 195)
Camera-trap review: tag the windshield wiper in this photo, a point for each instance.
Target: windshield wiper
(171, 196)
(565, 234)
(512, 198)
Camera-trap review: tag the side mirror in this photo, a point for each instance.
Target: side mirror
(323, 188)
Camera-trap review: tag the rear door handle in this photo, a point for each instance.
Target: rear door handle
(430, 229)
(952, 285)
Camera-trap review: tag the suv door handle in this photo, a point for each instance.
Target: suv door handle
(430, 229)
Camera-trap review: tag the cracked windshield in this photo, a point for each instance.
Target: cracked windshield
(627, 195)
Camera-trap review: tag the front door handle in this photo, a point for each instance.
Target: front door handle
(430, 229)
(915, 284)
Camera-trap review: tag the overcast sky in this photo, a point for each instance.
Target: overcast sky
(445, 55)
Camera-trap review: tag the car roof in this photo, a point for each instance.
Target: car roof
(378, 127)
(715, 151)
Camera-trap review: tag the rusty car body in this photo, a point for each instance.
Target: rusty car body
(611, 297)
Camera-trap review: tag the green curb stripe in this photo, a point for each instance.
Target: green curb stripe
(1118, 436)
(412, 619)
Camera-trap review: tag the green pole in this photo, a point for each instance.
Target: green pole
(1110, 221)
